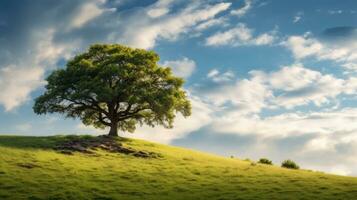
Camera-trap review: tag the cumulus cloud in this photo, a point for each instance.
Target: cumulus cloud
(300, 85)
(182, 68)
(241, 35)
(289, 87)
(336, 44)
(302, 46)
(246, 96)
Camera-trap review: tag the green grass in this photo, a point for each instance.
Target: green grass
(179, 174)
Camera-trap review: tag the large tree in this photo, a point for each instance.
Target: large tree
(116, 86)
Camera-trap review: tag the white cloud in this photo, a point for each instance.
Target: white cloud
(160, 8)
(143, 32)
(342, 52)
(302, 46)
(213, 73)
(264, 39)
(351, 86)
(17, 83)
(216, 76)
(293, 77)
(289, 87)
(298, 17)
(247, 95)
(86, 13)
(182, 68)
(212, 22)
(241, 35)
(46, 51)
(291, 124)
(350, 66)
(322, 143)
(301, 86)
(240, 12)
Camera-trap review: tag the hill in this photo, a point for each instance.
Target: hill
(31, 169)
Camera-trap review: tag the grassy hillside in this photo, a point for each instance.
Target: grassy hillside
(30, 169)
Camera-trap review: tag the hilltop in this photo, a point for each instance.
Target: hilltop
(30, 168)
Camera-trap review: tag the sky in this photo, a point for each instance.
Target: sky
(266, 78)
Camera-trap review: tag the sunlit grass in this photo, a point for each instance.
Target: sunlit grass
(178, 174)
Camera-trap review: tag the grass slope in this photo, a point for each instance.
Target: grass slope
(29, 169)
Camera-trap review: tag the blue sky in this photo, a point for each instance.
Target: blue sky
(271, 78)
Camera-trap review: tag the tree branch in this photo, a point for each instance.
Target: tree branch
(101, 120)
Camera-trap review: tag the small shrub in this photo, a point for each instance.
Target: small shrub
(265, 161)
(253, 164)
(289, 164)
(232, 157)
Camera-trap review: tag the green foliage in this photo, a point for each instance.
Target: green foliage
(34, 171)
(289, 164)
(265, 161)
(116, 86)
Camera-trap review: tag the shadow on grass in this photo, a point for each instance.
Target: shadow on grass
(44, 142)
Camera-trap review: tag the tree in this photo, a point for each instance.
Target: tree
(116, 86)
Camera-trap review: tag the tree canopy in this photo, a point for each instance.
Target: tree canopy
(116, 86)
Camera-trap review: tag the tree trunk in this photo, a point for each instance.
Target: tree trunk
(113, 129)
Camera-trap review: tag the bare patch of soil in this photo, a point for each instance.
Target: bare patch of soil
(27, 165)
(90, 144)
